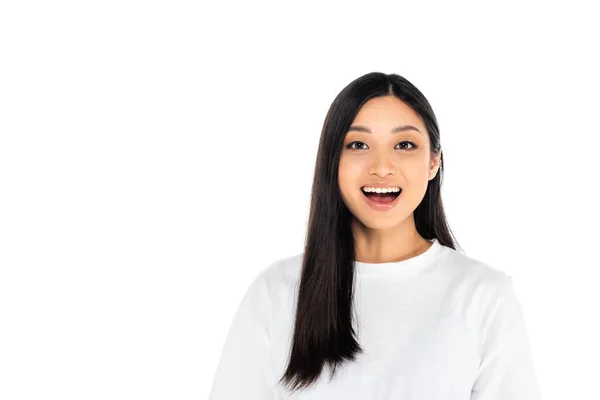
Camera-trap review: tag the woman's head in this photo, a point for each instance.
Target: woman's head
(380, 102)
(324, 334)
(387, 143)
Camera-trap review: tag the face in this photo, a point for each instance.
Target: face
(402, 159)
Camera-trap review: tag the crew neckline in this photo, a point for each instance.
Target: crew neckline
(400, 267)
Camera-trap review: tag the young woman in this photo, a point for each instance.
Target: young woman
(380, 304)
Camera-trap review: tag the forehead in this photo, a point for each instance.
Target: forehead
(383, 112)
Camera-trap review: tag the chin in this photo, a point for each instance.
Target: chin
(380, 222)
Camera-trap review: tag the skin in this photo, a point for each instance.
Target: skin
(386, 236)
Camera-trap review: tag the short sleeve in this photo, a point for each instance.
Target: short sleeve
(245, 369)
(506, 371)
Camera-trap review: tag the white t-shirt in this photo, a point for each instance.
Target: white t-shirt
(440, 325)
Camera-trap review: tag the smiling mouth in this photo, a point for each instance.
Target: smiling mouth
(381, 197)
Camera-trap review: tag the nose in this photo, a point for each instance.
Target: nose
(382, 166)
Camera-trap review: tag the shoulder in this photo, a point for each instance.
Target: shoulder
(281, 271)
(467, 267)
(278, 277)
(482, 293)
(267, 290)
(481, 281)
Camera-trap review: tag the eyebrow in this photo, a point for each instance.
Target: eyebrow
(401, 128)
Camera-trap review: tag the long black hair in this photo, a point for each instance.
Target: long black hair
(323, 331)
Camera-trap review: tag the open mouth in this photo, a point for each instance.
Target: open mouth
(381, 197)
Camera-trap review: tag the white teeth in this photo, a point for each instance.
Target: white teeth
(381, 190)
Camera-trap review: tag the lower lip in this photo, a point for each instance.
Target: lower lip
(378, 206)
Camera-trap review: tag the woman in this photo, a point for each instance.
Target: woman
(380, 304)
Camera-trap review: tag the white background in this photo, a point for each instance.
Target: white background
(155, 156)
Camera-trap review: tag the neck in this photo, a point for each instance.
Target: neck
(392, 244)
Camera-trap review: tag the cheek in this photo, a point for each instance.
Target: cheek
(347, 172)
(348, 180)
(416, 169)
(417, 174)
(418, 179)
(350, 167)
(345, 184)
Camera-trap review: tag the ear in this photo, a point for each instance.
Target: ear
(435, 165)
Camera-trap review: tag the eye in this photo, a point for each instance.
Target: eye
(411, 143)
(349, 146)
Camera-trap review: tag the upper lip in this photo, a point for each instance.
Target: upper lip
(381, 185)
